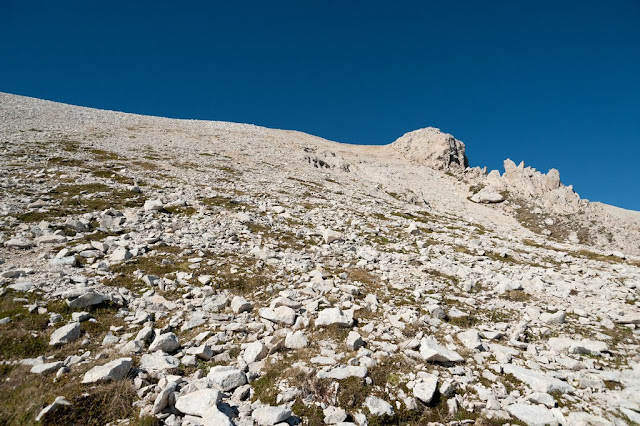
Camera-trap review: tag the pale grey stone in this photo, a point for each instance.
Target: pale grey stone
(332, 316)
(426, 388)
(378, 406)
(267, 416)
(198, 402)
(65, 334)
(114, 370)
(226, 378)
(533, 415)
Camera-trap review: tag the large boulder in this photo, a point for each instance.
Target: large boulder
(432, 148)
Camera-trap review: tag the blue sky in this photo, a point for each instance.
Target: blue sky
(554, 83)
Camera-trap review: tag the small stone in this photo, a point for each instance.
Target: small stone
(555, 318)
(60, 401)
(240, 304)
(426, 389)
(296, 340)
(378, 406)
(153, 205)
(167, 342)
(431, 350)
(354, 341)
(254, 351)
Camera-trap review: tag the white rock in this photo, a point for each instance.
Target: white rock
(18, 243)
(48, 367)
(591, 347)
(158, 361)
(267, 416)
(162, 399)
(296, 340)
(240, 304)
(114, 370)
(280, 315)
(334, 415)
(426, 389)
(487, 195)
(153, 205)
(255, 351)
(330, 236)
(555, 318)
(51, 239)
(542, 398)
(65, 334)
(214, 417)
(332, 316)
(537, 381)
(120, 254)
(167, 342)
(226, 378)
(354, 341)
(532, 415)
(378, 406)
(198, 402)
(470, 339)
(432, 351)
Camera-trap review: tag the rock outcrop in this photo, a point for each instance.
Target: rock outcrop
(432, 148)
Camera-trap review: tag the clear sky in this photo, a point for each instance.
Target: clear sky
(554, 83)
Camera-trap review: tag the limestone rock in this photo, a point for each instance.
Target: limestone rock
(198, 402)
(167, 342)
(114, 370)
(533, 415)
(332, 316)
(433, 148)
(266, 416)
(426, 389)
(65, 334)
(378, 406)
(226, 378)
(432, 351)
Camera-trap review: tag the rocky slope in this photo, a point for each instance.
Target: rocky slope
(213, 273)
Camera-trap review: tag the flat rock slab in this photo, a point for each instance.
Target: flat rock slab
(533, 415)
(158, 361)
(536, 380)
(197, 403)
(266, 416)
(341, 373)
(114, 370)
(432, 351)
(332, 316)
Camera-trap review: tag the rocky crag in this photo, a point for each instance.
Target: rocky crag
(210, 273)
